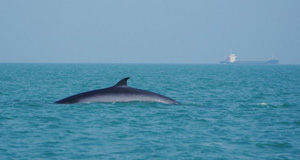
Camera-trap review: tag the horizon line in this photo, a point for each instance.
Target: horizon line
(122, 63)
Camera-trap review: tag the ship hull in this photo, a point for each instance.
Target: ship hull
(250, 62)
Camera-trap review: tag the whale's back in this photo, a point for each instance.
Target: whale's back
(118, 93)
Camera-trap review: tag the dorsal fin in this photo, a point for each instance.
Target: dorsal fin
(122, 83)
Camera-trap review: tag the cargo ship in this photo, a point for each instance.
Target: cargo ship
(231, 59)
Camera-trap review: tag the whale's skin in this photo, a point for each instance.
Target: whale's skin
(118, 93)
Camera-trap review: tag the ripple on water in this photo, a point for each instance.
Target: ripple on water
(270, 145)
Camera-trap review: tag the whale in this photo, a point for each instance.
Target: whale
(120, 92)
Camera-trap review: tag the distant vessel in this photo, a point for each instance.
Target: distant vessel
(231, 59)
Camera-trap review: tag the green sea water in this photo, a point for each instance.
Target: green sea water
(227, 112)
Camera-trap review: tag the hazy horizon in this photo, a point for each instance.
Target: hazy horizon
(151, 32)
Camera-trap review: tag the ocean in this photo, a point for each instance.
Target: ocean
(226, 112)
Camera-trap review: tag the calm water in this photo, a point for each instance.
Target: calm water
(227, 112)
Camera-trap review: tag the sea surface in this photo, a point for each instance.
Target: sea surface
(227, 112)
